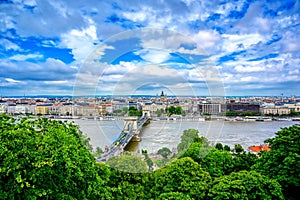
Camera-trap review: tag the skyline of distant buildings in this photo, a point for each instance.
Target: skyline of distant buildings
(118, 106)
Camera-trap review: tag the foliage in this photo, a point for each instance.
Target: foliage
(196, 151)
(219, 146)
(128, 177)
(238, 148)
(148, 160)
(187, 138)
(218, 163)
(226, 148)
(231, 113)
(245, 185)
(98, 152)
(163, 162)
(45, 159)
(134, 112)
(164, 152)
(182, 175)
(282, 162)
(128, 163)
(174, 196)
(172, 110)
(244, 161)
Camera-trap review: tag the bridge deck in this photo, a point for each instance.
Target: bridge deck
(116, 148)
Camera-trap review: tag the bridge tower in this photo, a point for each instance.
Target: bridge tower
(146, 112)
(130, 121)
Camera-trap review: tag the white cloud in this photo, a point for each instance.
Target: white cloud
(153, 55)
(8, 45)
(82, 42)
(10, 80)
(207, 39)
(243, 69)
(234, 42)
(23, 57)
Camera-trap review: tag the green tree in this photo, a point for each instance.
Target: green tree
(282, 162)
(238, 148)
(98, 152)
(245, 185)
(174, 196)
(148, 160)
(183, 176)
(226, 148)
(125, 110)
(134, 112)
(164, 152)
(196, 151)
(128, 177)
(46, 159)
(219, 146)
(128, 163)
(187, 138)
(218, 163)
(174, 110)
(159, 112)
(243, 161)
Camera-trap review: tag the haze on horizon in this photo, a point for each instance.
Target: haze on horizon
(186, 48)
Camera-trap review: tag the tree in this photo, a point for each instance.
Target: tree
(183, 176)
(196, 151)
(46, 159)
(174, 196)
(218, 163)
(125, 110)
(98, 152)
(219, 146)
(238, 148)
(243, 161)
(148, 159)
(174, 110)
(128, 163)
(164, 152)
(159, 112)
(283, 160)
(245, 185)
(187, 138)
(128, 177)
(135, 112)
(226, 148)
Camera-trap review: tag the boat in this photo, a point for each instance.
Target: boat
(250, 118)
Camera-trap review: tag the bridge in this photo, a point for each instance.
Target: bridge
(130, 132)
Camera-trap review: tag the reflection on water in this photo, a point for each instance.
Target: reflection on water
(160, 134)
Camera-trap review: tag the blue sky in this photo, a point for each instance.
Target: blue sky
(209, 47)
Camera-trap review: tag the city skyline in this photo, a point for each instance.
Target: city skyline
(186, 48)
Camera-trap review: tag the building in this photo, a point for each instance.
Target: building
(277, 110)
(3, 108)
(257, 149)
(210, 108)
(243, 107)
(43, 109)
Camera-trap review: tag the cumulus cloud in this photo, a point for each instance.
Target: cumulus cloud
(251, 43)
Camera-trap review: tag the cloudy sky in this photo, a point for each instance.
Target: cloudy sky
(187, 47)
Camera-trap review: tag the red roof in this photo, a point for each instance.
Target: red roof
(260, 148)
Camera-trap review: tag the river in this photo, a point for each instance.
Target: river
(160, 134)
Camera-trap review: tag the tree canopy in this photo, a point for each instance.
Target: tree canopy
(245, 185)
(45, 158)
(52, 159)
(282, 162)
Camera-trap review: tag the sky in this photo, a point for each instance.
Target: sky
(187, 47)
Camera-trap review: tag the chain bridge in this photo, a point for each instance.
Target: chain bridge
(130, 132)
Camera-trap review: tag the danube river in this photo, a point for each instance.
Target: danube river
(160, 134)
